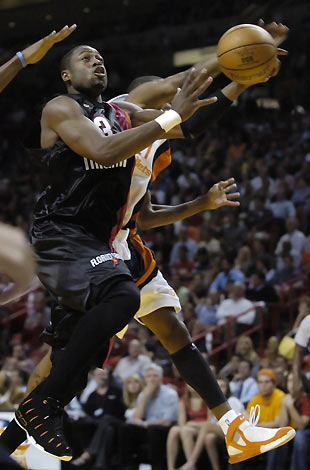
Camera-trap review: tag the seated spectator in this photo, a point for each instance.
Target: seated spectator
(244, 260)
(106, 407)
(183, 240)
(258, 215)
(183, 265)
(206, 309)
(132, 387)
(243, 386)
(192, 415)
(287, 250)
(296, 413)
(270, 353)
(236, 304)
(301, 193)
(228, 273)
(25, 363)
(260, 290)
(156, 412)
(209, 242)
(296, 238)
(269, 399)
(231, 368)
(282, 207)
(10, 394)
(134, 363)
(210, 434)
(245, 349)
(288, 273)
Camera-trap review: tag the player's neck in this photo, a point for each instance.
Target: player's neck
(93, 95)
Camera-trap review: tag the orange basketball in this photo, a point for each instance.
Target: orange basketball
(247, 54)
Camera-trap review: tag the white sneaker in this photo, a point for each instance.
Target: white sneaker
(245, 440)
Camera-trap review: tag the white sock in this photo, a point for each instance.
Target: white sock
(227, 419)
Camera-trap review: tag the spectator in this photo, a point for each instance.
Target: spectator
(270, 353)
(227, 274)
(192, 415)
(243, 386)
(260, 290)
(156, 412)
(133, 363)
(296, 413)
(236, 304)
(132, 387)
(301, 193)
(244, 260)
(206, 310)
(245, 349)
(105, 406)
(282, 208)
(183, 239)
(288, 273)
(269, 399)
(294, 236)
(231, 368)
(184, 265)
(211, 435)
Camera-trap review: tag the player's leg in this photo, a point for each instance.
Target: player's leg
(243, 440)
(112, 305)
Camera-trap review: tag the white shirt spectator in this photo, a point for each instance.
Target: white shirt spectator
(297, 239)
(232, 308)
(283, 209)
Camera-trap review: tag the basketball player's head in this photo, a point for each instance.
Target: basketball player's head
(140, 80)
(82, 70)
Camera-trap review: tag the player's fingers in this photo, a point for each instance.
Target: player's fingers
(233, 196)
(201, 83)
(65, 32)
(228, 182)
(233, 203)
(261, 22)
(281, 51)
(230, 188)
(206, 102)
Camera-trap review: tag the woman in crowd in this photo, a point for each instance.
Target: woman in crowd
(192, 415)
(132, 386)
(211, 435)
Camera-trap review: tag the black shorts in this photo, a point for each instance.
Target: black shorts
(74, 265)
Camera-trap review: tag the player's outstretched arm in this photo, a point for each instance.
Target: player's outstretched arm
(16, 262)
(63, 118)
(219, 195)
(31, 55)
(155, 94)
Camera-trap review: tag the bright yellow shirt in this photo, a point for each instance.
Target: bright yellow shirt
(269, 408)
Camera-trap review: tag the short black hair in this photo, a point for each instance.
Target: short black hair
(65, 61)
(140, 80)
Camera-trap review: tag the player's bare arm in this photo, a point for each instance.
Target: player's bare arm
(219, 195)
(156, 93)
(31, 55)
(16, 262)
(298, 358)
(63, 118)
(40, 372)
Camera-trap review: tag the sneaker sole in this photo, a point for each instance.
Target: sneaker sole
(263, 448)
(38, 446)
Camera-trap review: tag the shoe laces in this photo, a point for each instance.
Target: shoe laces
(254, 415)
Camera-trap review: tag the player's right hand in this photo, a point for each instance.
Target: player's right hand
(16, 263)
(187, 101)
(37, 51)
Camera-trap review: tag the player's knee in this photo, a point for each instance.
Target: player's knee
(128, 295)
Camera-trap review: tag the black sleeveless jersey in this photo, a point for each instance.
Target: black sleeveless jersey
(81, 191)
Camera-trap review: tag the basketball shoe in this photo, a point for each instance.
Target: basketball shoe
(42, 419)
(245, 440)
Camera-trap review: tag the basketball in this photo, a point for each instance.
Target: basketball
(247, 54)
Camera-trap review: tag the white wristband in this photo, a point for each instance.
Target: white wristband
(168, 120)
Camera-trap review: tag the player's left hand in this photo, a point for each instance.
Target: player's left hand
(220, 195)
(37, 51)
(278, 31)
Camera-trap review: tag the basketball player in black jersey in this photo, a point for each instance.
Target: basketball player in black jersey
(89, 146)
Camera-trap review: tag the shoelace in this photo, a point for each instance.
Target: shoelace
(254, 415)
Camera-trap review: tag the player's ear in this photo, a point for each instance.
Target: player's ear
(65, 75)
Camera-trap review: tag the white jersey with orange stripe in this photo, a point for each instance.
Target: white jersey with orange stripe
(149, 163)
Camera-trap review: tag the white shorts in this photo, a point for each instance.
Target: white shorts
(154, 295)
(157, 294)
